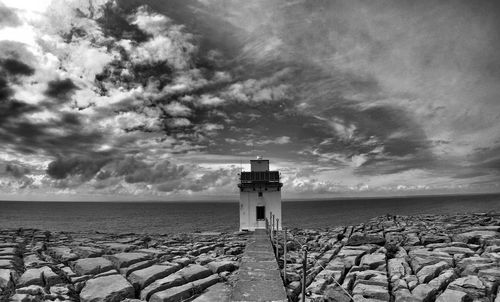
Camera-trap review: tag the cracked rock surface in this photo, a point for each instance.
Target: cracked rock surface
(398, 258)
(37, 265)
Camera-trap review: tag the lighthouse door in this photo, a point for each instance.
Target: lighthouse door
(261, 216)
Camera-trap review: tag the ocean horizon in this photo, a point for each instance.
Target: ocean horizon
(198, 216)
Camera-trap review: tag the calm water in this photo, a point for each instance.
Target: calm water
(142, 217)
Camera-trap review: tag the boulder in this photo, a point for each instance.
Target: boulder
(32, 276)
(112, 288)
(49, 277)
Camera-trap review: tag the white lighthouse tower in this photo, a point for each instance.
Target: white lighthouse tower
(260, 195)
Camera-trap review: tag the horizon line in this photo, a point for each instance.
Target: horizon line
(235, 200)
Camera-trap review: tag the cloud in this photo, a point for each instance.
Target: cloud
(116, 97)
(13, 169)
(177, 109)
(60, 88)
(15, 67)
(8, 17)
(83, 166)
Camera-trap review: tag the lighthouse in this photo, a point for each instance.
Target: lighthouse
(260, 195)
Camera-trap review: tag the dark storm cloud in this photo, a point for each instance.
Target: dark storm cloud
(85, 166)
(60, 88)
(11, 109)
(27, 136)
(5, 90)
(10, 70)
(114, 21)
(15, 67)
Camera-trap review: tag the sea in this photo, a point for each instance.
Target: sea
(187, 217)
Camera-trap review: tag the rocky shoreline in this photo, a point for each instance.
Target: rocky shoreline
(442, 258)
(389, 258)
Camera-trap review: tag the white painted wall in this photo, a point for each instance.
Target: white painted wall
(249, 200)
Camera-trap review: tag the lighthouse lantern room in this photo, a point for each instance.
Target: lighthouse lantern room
(260, 195)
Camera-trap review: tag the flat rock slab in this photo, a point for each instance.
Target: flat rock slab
(154, 252)
(194, 271)
(119, 247)
(126, 259)
(6, 263)
(88, 251)
(112, 288)
(259, 278)
(162, 284)
(451, 295)
(144, 277)
(62, 253)
(220, 292)
(180, 293)
(92, 266)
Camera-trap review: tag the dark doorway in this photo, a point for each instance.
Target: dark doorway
(261, 213)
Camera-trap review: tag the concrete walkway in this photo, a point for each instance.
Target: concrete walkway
(259, 276)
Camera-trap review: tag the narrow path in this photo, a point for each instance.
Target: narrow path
(259, 276)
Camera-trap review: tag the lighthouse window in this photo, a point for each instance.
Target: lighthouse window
(260, 194)
(261, 213)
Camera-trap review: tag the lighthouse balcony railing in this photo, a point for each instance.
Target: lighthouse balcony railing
(258, 176)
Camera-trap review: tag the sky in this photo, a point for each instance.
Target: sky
(169, 100)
